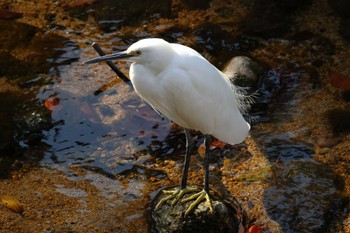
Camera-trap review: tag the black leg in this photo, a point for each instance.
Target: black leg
(206, 163)
(187, 158)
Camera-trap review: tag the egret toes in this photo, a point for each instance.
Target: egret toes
(200, 196)
(177, 194)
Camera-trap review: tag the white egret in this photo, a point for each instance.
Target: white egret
(183, 86)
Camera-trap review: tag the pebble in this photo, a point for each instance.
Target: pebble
(327, 143)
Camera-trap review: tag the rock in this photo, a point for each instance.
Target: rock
(171, 219)
(302, 196)
(243, 71)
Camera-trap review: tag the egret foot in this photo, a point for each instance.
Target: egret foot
(176, 195)
(200, 196)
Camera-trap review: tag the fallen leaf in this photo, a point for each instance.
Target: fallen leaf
(254, 229)
(12, 203)
(52, 104)
(201, 150)
(218, 144)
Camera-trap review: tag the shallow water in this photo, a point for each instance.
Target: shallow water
(114, 140)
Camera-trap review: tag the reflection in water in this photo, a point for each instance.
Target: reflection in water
(104, 132)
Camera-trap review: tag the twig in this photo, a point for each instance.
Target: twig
(111, 64)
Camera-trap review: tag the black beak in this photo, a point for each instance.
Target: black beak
(114, 56)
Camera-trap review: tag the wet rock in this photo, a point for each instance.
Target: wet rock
(171, 219)
(31, 118)
(302, 196)
(243, 71)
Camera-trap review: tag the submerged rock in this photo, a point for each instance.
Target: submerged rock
(170, 218)
(302, 197)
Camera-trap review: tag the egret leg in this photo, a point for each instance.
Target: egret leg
(189, 145)
(177, 194)
(204, 194)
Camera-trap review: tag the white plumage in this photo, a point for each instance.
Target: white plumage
(183, 86)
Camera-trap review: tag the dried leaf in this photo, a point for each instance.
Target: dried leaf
(53, 103)
(12, 203)
(218, 144)
(254, 229)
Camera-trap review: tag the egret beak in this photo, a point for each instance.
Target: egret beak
(114, 56)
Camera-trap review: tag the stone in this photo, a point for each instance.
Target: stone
(243, 71)
(171, 219)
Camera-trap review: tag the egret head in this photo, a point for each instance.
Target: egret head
(149, 52)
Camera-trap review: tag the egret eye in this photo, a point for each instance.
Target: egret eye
(138, 53)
